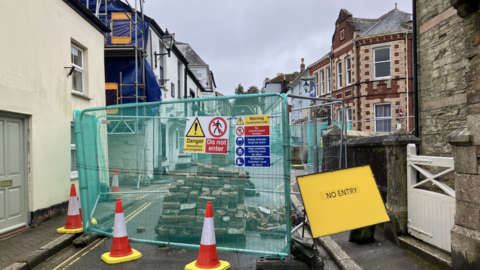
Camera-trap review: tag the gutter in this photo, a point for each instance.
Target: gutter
(87, 15)
(415, 74)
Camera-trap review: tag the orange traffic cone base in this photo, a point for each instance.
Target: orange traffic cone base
(114, 260)
(223, 266)
(63, 230)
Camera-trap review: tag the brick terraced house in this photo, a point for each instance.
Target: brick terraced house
(369, 66)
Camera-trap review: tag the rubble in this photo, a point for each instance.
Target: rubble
(184, 205)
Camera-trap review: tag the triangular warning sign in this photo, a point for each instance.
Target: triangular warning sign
(240, 121)
(196, 130)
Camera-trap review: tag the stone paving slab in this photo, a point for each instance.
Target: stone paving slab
(20, 246)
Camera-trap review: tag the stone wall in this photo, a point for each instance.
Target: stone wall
(449, 88)
(442, 67)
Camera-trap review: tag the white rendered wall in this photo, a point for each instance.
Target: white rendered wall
(34, 83)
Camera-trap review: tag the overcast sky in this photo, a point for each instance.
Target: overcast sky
(244, 41)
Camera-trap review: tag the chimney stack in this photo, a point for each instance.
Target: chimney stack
(302, 66)
(395, 5)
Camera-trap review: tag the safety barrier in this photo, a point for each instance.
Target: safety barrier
(173, 157)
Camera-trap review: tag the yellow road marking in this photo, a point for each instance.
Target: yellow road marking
(138, 212)
(127, 219)
(74, 261)
(74, 255)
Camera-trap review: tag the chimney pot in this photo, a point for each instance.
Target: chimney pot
(302, 66)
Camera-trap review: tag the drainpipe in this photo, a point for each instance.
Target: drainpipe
(415, 82)
(407, 81)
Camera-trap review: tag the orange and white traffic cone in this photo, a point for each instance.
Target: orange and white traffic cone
(207, 255)
(121, 250)
(74, 222)
(115, 187)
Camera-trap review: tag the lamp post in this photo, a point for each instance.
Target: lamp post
(312, 110)
(167, 40)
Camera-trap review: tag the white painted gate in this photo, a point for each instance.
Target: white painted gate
(430, 214)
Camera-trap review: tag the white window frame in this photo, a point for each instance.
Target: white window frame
(73, 174)
(348, 114)
(329, 80)
(375, 118)
(339, 74)
(300, 106)
(375, 62)
(322, 82)
(348, 71)
(80, 69)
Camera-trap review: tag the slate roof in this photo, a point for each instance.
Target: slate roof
(391, 22)
(283, 77)
(362, 25)
(192, 57)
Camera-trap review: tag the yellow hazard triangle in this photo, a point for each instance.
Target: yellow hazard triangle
(240, 121)
(196, 130)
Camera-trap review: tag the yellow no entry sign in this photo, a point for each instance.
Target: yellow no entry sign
(341, 200)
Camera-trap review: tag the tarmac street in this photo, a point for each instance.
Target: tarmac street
(152, 258)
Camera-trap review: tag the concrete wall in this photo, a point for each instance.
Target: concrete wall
(36, 46)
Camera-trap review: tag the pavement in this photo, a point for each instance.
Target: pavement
(27, 249)
(43, 248)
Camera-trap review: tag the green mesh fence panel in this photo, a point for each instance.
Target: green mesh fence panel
(164, 190)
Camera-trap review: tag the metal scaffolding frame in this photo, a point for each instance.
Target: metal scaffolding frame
(138, 22)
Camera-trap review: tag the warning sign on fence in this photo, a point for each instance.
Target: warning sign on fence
(252, 141)
(206, 135)
(341, 200)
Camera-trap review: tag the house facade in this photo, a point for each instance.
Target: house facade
(41, 85)
(369, 68)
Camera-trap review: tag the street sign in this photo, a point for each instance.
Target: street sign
(257, 141)
(257, 131)
(240, 121)
(257, 162)
(239, 131)
(341, 200)
(215, 141)
(257, 151)
(217, 127)
(257, 120)
(240, 141)
(254, 133)
(239, 161)
(196, 130)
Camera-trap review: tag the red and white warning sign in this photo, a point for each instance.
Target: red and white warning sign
(239, 131)
(217, 127)
(205, 134)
